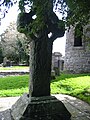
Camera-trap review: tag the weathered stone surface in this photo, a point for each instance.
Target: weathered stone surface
(57, 63)
(78, 109)
(19, 107)
(77, 57)
(46, 108)
(39, 108)
(5, 115)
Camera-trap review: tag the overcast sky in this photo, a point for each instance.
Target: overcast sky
(59, 43)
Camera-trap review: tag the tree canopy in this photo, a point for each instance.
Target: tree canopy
(14, 45)
(72, 11)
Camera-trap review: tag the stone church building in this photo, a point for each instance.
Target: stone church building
(77, 51)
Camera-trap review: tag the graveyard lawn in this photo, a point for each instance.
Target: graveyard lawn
(15, 68)
(13, 85)
(77, 85)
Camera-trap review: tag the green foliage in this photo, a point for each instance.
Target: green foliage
(77, 85)
(77, 10)
(14, 45)
(14, 85)
(22, 51)
(39, 9)
(46, 21)
(74, 11)
(61, 24)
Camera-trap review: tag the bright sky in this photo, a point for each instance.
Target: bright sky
(59, 43)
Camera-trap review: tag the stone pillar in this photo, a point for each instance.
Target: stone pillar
(40, 67)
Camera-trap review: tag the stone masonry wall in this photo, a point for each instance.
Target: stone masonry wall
(77, 59)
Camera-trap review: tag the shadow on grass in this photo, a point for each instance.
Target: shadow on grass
(73, 85)
(83, 95)
(67, 76)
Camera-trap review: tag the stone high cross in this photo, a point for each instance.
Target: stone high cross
(42, 106)
(41, 45)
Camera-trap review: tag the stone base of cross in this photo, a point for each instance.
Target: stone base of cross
(39, 108)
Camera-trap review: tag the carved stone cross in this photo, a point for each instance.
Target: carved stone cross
(42, 106)
(40, 45)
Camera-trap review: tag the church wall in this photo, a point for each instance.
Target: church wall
(77, 58)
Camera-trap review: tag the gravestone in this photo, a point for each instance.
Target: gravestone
(56, 62)
(39, 104)
(6, 62)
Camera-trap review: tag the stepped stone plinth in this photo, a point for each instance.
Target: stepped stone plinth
(39, 108)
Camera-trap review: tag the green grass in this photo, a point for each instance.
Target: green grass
(14, 68)
(14, 85)
(74, 85)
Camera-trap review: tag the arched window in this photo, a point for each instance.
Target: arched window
(78, 35)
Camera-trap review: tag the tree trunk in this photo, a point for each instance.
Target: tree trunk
(40, 66)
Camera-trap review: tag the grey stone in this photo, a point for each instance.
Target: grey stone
(80, 118)
(19, 107)
(57, 63)
(5, 115)
(40, 108)
(77, 57)
(78, 109)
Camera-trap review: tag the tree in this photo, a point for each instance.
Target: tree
(1, 54)
(22, 50)
(76, 10)
(14, 45)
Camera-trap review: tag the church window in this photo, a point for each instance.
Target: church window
(78, 36)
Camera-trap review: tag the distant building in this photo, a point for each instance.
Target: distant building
(77, 51)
